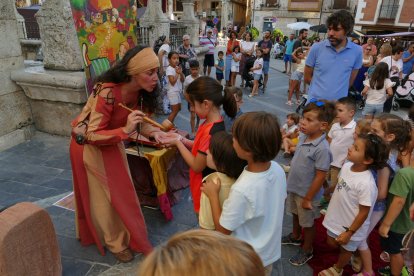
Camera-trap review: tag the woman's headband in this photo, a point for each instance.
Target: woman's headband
(145, 60)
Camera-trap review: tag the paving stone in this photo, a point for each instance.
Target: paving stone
(74, 267)
(59, 183)
(8, 199)
(32, 190)
(71, 248)
(97, 269)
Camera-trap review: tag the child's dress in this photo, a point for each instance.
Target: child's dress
(235, 65)
(174, 91)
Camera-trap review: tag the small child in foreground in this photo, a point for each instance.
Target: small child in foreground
(290, 134)
(348, 216)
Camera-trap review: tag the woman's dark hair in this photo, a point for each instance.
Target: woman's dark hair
(224, 156)
(375, 150)
(343, 18)
(248, 33)
(393, 124)
(236, 47)
(206, 88)
(233, 32)
(170, 54)
(379, 75)
(118, 74)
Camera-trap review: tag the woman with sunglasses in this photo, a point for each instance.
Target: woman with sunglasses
(367, 61)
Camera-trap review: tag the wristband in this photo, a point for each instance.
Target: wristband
(347, 229)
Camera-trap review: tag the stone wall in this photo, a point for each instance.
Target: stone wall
(16, 118)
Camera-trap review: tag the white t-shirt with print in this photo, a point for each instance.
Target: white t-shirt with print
(236, 63)
(254, 211)
(342, 139)
(257, 62)
(289, 129)
(188, 80)
(391, 62)
(177, 87)
(353, 189)
(167, 49)
(375, 96)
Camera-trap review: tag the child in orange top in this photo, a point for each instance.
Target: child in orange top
(207, 96)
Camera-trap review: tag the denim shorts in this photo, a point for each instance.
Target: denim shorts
(373, 109)
(287, 58)
(266, 65)
(257, 76)
(297, 76)
(351, 246)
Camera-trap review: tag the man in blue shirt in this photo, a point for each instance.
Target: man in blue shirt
(287, 58)
(408, 59)
(332, 65)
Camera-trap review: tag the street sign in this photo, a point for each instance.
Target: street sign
(215, 20)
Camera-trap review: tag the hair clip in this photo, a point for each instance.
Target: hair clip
(316, 102)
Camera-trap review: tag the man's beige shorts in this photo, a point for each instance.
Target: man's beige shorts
(306, 217)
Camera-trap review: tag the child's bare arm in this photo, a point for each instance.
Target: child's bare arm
(316, 185)
(360, 218)
(394, 210)
(365, 91)
(383, 179)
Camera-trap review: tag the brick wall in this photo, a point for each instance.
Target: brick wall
(407, 12)
(369, 10)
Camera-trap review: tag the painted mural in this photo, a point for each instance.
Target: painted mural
(106, 29)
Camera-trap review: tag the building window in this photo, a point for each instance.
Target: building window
(270, 3)
(178, 6)
(214, 5)
(340, 4)
(389, 9)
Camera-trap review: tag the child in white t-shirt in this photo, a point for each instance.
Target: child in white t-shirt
(194, 73)
(376, 90)
(175, 77)
(348, 216)
(221, 157)
(235, 64)
(253, 212)
(290, 134)
(257, 70)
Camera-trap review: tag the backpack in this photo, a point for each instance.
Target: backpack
(158, 43)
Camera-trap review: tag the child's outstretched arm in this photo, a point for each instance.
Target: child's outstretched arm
(360, 218)
(316, 185)
(394, 210)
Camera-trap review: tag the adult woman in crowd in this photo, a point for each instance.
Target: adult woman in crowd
(247, 49)
(367, 61)
(108, 212)
(186, 53)
(230, 45)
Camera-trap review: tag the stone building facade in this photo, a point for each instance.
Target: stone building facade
(276, 14)
(384, 15)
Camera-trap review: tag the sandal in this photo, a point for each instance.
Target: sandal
(332, 271)
(356, 263)
(289, 102)
(124, 256)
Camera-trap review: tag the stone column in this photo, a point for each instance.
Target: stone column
(224, 13)
(190, 21)
(16, 117)
(156, 20)
(59, 41)
(55, 89)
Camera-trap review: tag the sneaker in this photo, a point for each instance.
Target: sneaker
(285, 168)
(286, 154)
(289, 240)
(301, 258)
(289, 102)
(284, 72)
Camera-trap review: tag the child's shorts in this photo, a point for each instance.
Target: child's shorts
(393, 243)
(306, 217)
(219, 76)
(235, 69)
(351, 246)
(174, 97)
(295, 141)
(297, 76)
(257, 76)
(373, 109)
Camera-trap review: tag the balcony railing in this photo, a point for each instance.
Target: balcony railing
(143, 36)
(388, 12)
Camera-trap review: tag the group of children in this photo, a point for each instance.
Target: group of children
(237, 189)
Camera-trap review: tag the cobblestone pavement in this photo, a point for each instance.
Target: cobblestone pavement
(39, 171)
